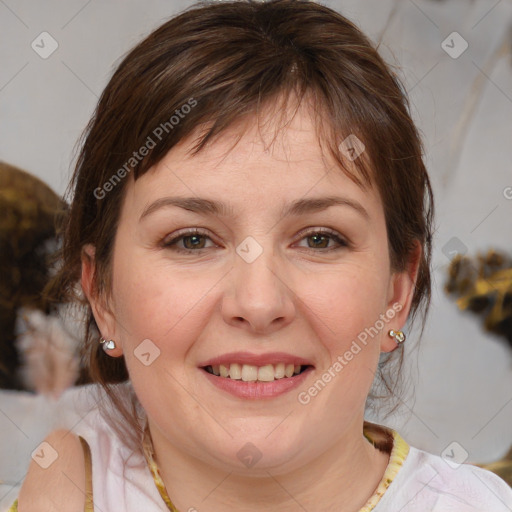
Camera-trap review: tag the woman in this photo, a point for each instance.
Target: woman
(251, 228)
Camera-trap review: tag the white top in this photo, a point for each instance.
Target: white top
(427, 483)
(121, 479)
(420, 482)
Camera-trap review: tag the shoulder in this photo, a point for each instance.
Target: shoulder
(445, 485)
(55, 480)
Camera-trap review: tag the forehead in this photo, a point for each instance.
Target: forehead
(255, 161)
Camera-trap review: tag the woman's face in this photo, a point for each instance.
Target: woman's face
(290, 268)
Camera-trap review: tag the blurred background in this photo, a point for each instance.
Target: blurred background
(455, 58)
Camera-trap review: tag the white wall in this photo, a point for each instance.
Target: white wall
(463, 106)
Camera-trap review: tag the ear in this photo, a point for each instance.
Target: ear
(103, 315)
(401, 291)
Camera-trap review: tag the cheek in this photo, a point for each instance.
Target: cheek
(346, 318)
(155, 301)
(347, 301)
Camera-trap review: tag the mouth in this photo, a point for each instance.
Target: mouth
(253, 373)
(247, 375)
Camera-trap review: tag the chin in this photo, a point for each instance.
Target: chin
(255, 452)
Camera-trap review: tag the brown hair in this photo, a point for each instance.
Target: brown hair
(226, 61)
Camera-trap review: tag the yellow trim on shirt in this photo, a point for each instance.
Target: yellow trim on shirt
(155, 471)
(397, 458)
(89, 503)
(378, 435)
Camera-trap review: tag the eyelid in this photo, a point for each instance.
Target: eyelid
(342, 241)
(183, 233)
(335, 235)
(318, 229)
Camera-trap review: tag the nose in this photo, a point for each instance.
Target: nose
(258, 297)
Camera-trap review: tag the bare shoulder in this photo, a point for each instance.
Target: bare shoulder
(55, 481)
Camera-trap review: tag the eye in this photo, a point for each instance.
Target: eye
(193, 241)
(321, 237)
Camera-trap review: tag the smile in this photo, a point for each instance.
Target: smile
(252, 373)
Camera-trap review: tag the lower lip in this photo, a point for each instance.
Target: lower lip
(256, 389)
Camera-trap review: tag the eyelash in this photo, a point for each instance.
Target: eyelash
(195, 232)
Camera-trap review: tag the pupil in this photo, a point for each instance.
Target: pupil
(190, 237)
(316, 239)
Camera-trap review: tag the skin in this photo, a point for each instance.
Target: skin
(297, 297)
(60, 486)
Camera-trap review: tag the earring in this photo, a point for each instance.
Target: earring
(107, 345)
(398, 335)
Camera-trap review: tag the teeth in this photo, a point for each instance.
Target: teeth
(252, 373)
(279, 371)
(235, 371)
(249, 373)
(266, 373)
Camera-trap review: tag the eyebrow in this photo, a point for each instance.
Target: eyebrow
(209, 207)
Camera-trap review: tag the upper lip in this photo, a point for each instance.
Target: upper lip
(256, 359)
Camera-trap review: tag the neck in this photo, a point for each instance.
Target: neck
(342, 478)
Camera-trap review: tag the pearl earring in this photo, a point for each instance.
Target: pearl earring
(107, 345)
